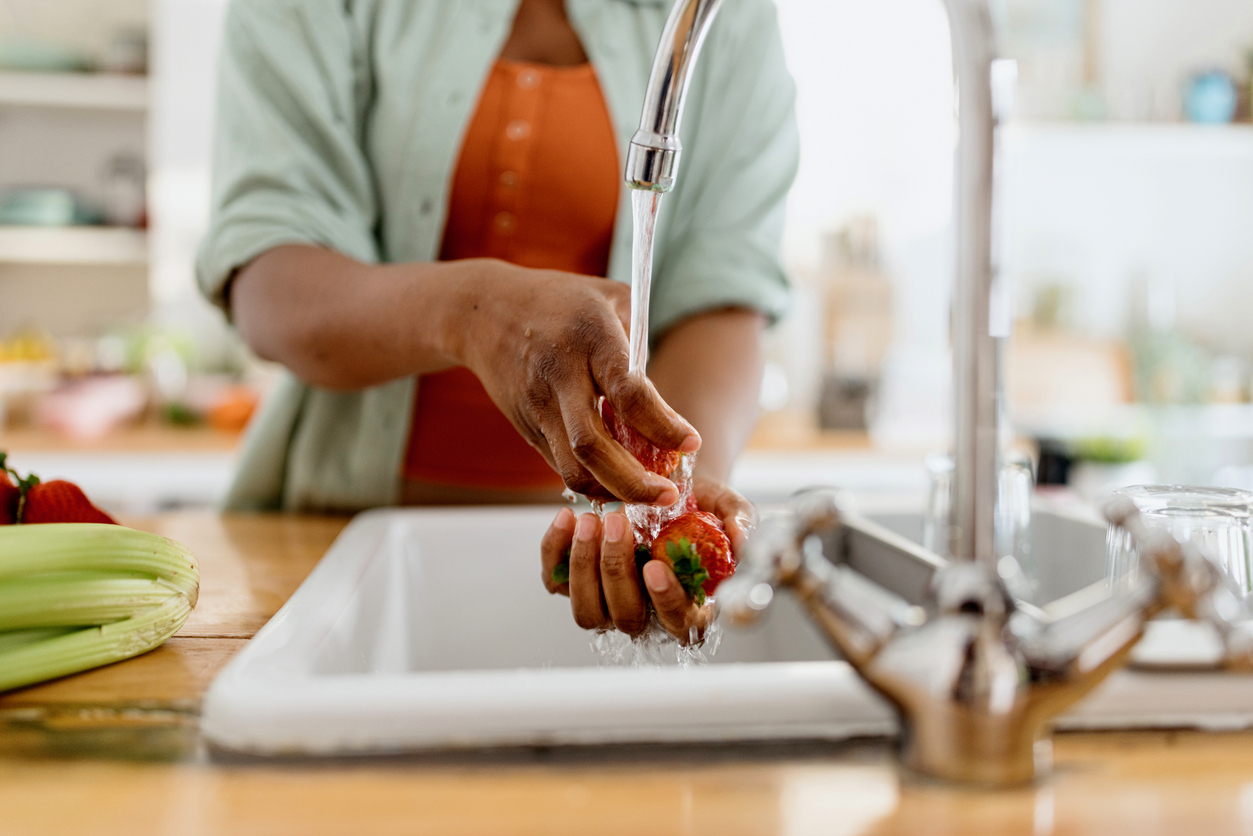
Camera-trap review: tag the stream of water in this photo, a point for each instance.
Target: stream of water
(644, 206)
(655, 646)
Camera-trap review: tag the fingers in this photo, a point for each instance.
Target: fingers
(738, 515)
(585, 598)
(606, 460)
(676, 612)
(635, 400)
(619, 576)
(555, 552)
(619, 295)
(561, 456)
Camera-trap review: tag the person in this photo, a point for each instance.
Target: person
(418, 210)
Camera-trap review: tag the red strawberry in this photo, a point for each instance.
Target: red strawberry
(659, 461)
(10, 496)
(60, 502)
(698, 551)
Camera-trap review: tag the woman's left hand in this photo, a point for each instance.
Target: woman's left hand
(605, 587)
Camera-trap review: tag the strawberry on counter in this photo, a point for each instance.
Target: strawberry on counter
(10, 496)
(31, 501)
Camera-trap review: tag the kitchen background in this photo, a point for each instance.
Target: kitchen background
(1126, 209)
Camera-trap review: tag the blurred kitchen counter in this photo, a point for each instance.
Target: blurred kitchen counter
(117, 750)
(139, 438)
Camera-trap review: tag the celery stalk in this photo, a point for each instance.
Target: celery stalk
(21, 638)
(68, 600)
(78, 547)
(92, 646)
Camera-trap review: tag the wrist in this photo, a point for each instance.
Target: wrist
(462, 308)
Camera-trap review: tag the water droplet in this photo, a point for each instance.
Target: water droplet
(569, 496)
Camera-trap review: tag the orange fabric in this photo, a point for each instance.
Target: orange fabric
(536, 185)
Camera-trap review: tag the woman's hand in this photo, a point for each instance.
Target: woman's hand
(605, 586)
(546, 345)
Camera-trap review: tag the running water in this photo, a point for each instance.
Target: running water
(655, 646)
(644, 206)
(648, 519)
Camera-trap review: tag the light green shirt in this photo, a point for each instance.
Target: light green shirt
(339, 124)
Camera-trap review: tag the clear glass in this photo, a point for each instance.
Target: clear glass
(1015, 486)
(1219, 521)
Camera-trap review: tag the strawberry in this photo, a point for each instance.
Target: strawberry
(59, 502)
(697, 549)
(659, 461)
(10, 496)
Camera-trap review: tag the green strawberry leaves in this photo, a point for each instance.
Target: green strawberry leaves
(688, 569)
(642, 556)
(561, 572)
(683, 558)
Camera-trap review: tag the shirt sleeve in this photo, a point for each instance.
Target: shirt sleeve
(288, 163)
(740, 153)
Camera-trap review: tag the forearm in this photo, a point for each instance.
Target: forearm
(708, 368)
(341, 324)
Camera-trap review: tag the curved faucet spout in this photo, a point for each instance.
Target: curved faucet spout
(653, 156)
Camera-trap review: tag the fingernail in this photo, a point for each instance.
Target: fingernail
(690, 444)
(615, 527)
(655, 577)
(564, 520)
(586, 529)
(667, 497)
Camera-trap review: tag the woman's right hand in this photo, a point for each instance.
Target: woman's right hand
(546, 345)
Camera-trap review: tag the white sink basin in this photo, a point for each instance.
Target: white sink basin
(430, 629)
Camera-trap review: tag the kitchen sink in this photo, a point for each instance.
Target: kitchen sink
(429, 629)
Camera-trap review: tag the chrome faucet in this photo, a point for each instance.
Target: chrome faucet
(653, 155)
(976, 677)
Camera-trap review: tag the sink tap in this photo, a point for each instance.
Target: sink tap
(976, 677)
(652, 165)
(653, 155)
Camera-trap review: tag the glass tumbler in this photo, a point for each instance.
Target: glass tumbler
(1219, 521)
(1014, 487)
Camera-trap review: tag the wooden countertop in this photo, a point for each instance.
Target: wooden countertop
(116, 750)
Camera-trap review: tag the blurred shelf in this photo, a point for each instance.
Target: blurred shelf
(91, 91)
(73, 245)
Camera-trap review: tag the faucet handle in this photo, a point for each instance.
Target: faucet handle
(770, 558)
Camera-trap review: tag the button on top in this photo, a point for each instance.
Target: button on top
(518, 129)
(528, 79)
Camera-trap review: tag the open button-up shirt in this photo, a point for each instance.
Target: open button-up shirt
(339, 124)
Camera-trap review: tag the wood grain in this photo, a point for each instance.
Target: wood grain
(250, 564)
(117, 751)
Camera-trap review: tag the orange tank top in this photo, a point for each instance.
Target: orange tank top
(537, 185)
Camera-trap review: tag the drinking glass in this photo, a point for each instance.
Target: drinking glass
(1219, 521)
(1012, 542)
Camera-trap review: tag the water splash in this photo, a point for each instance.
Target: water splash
(648, 520)
(655, 648)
